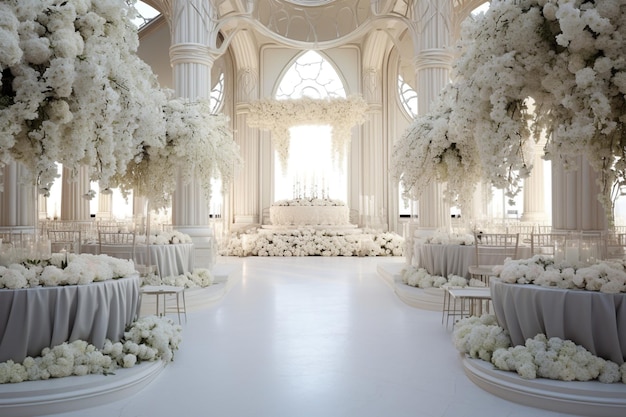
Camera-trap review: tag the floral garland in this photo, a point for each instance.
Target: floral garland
(311, 242)
(64, 269)
(603, 276)
(567, 55)
(278, 116)
(554, 358)
(150, 338)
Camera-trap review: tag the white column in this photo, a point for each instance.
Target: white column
(575, 204)
(432, 72)
(73, 205)
(373, 155)
(17, 201)
(247, 208)
(534, 200)
(192, 28)
(105, 206)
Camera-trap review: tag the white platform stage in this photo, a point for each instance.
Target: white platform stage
(57, 395)
(593, 399)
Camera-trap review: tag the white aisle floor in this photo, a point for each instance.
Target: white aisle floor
(313, 337)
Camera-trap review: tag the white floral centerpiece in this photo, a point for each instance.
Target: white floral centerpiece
(150, 338)
(567, 57)
(603, 276)
(540, 357)
(64, 269)
(445, 238)
(163, 237)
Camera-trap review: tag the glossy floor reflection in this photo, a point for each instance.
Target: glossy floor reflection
(313, 337)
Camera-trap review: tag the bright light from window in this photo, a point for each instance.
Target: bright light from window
(311, 170)
(146, 14)
(481, 9)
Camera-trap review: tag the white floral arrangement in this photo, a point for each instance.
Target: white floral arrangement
(565, 54)
(311, 242)
(198, 278)
(163, 237)
(445, 238)
(419, 277)
(197, 145)
(603, 276)
(64, 269)
(317, 202)
(540, 357)
(73, 88)
(75, 92)
(278, 116)
(149, 338)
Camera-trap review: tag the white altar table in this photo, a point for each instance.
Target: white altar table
(594, 320)
(170, 259)
(32, 319)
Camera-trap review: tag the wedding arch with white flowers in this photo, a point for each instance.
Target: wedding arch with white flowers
(564, 55)
(278, 116)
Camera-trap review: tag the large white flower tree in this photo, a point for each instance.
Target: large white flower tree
(74, 91)
(566, 56)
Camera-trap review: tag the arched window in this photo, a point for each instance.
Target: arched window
(407, 96)
(311, 170)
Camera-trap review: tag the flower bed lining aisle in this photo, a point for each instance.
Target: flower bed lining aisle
(312, 242)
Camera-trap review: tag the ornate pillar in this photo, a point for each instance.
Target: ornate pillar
(575, 204)
(73, 205)
(433, 62)
(192, 25)
(247, 207)
(373, 155)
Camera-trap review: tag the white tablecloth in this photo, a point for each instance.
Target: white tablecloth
(170, 260)
(35, 318)
(594, 320)
(443, 260)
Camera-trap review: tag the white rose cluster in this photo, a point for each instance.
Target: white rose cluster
(445, 238)
(198, 278)
(603, 276)
(80, 270)
(165, 237)
(148, 339)
(311, 242)
(553, 358)
(419, 277)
